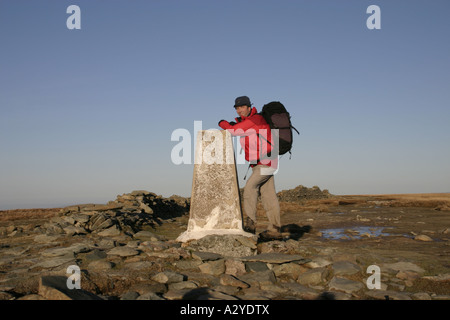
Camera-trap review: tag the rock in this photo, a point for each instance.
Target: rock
(153, 245)
(225, 245)
(188, 264)
(318, 262)
(440, 296)
(130, 295)
(71, 250)
(180, 294)
(345, 285)
(255, 266)
(301, 291)
(80, 217)
(407, 275)
(209, 294)
(274, 288)
(100, 265)
(138, 265)
(234, 267)
(95, 254)
(274, 257)
(439, 277)
(229, 280)
(100, 222)
(313, 276)
(216, 267)
(421, 296)
(146, 208)
(206, 256)
(6, 296)
(123, 251)
(72, 230)
(56, 262)
(55, 288)
(149, 296)
(183, 285)
(255, 293)
(402, 266)
(32, 297)
(301, 193)
(168, 277)
(345, 268)
(110, 232)
(423, 237)
(143, 288)
(44, 238)
(387, 295)
(291, 270)
(258, 278)
(146, 235)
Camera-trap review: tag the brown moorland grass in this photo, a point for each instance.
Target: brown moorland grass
(25, 214)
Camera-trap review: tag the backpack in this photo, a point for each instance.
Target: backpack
(278, 117)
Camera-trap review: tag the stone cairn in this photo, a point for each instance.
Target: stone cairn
(301, 193)
(129, 214)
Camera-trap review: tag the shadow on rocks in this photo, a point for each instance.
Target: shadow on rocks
(197, 294)
(288, 231)
(326, 296)
(295, 231)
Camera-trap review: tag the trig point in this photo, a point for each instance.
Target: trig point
(215, 203)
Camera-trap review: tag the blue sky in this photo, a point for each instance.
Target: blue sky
(88, 114)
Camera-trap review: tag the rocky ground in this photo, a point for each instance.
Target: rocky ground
(126, 249)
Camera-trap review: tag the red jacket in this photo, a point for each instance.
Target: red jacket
(256, 137)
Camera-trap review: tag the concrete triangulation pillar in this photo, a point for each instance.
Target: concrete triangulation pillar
(215, 203)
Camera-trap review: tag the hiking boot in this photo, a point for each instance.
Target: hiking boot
(250, 226)
(270, 235)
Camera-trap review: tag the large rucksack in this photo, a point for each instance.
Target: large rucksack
(279, 118)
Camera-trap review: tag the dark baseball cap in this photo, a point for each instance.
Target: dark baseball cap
(242, 101)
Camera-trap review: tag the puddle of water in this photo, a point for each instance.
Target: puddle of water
(353, 233)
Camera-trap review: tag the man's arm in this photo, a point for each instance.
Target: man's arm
(238, 129)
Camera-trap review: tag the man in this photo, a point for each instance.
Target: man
(256, 140)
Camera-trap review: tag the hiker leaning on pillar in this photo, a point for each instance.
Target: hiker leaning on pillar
(256, 140)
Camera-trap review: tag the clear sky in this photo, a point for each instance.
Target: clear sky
(88, 114)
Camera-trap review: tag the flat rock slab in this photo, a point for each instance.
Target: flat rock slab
(55, 262)
(206, 256)
(274, 257)
(64, 251)
(402, 266)
(225, 245)
(345, 285)
(123, 251)
(345, 268)
(387, 295)
(55, 288)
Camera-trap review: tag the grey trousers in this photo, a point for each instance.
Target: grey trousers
(264, 184)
